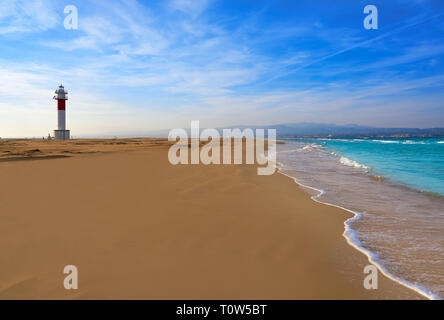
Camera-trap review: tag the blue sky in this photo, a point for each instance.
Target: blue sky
(135, 66)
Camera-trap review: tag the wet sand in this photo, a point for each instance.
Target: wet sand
(138, 227)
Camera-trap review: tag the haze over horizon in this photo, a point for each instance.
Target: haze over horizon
(144, 66)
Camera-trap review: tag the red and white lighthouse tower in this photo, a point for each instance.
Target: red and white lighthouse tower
(61, 96)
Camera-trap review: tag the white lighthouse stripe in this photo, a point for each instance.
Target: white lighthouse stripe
(61, 119)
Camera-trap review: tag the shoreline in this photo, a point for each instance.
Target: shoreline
(350, 235)
(426, 289)
(171, 232)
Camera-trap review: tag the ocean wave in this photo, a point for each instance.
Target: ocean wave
(310, 147)
(377, 178)
(351, 163)
(330, 160)
(413, 142)
(352, 239)
(386, 141)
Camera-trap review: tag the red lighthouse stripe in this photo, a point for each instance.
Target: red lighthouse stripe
(61, 104)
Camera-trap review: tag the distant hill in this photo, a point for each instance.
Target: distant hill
(333, 130)
(302, 130)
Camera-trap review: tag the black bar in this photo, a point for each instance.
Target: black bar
(225, 309)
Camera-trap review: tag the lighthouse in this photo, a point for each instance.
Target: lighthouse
(61, 96)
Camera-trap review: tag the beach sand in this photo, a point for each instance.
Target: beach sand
(137, 227)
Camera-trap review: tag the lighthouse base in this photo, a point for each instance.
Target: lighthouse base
(61, 134)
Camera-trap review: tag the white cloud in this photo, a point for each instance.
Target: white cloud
(192, 7)
(27, 16)
(152, 72)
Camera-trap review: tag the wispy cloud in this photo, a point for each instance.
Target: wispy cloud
(27, 16)
(162, 64)
(191, 7)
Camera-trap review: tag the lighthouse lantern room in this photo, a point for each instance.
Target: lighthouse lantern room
(61, 96)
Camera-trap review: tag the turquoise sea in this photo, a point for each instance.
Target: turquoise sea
(395, 188)
(414, 162)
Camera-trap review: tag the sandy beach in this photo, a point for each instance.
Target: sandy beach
(138, 227)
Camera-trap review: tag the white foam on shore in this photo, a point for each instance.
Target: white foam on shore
(351, 163)
(352, 239)
(310, 147)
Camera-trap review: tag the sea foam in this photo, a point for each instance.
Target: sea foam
(351, 163)
(385, 141)
(317, 166)
(310, 147)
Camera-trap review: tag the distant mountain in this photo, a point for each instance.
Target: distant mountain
(301, 130)
(333, 130)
